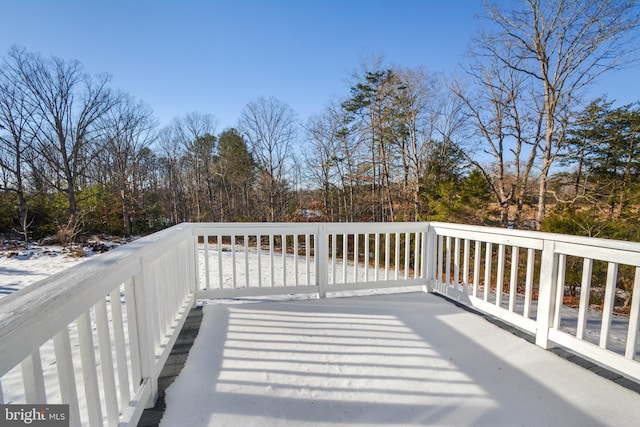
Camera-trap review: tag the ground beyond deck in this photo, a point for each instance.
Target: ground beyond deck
(392, 360)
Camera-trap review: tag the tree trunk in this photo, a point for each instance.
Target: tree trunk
(125, 214)
(542, 192)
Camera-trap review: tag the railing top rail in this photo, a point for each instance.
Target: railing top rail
(379, 227)
(307, 227)
(250, 228)
(540, 235)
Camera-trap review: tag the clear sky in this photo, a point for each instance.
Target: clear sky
(216, 56)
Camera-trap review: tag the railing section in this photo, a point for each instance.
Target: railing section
(580, 293)
(97, 335)
(609, 277)
(236, 260)
(488, 269)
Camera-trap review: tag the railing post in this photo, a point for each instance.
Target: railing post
(546, 293)
(321, 256)
(194, 261)
(429, 245)
(143, 289)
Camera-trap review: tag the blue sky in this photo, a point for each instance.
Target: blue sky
(216, 56)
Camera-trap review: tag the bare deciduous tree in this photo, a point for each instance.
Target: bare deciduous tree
(508, 131)
(17, 126)
(171, 176)
(127, 131)
(322, 154)
(69, 104)
(422, 117)
(195, 133)
(270, 128)
(561, 47)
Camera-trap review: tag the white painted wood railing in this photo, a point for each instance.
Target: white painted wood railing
(97, 335)
(276, 259)
(521, 277)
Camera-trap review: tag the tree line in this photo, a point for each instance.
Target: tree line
(513, 143)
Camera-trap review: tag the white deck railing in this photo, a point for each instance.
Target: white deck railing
(284, 261)
(531, 297)
(97, 335)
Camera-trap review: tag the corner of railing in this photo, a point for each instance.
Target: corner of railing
(546, 293)
(144, 306)
(321, 256)
(193, 258)
(428, 256)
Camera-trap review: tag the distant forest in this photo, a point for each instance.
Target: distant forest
(514, 143)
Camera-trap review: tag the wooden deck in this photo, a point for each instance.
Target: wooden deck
(401, 359)
(178, 357)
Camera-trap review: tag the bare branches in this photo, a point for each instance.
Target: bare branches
(126, 131)
(68, 103)
(557, 48)
(270, 128)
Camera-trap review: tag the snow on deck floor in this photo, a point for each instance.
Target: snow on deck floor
(402, 359)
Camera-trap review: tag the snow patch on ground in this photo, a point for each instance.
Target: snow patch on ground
(22, 265)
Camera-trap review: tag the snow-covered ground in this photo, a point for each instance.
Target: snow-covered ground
(276, 270)
(21, 266)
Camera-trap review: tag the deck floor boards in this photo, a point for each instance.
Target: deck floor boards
(392, 360)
